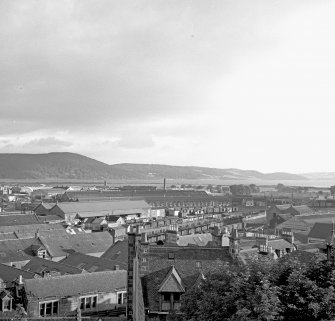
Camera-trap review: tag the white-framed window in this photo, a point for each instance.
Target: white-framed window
(121, 297)
(88, 302)
(7, 304)
(49, 308)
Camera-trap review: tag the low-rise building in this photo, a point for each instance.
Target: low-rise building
(91, 293)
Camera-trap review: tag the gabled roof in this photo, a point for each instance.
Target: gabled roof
(39, 266)
(172, 282)
(18, 219)
(91, 263)
(28, 231)
(280, 244)
(118, 252)
(321, 231)
(95, 220)
(195, 239)
(153, 282)
(46, 206)
(106, 206)
(303, 209)
(76, 284)
(5, 294)
(17, 250)
(186, 258)
(113, 218)
(10, 273)
(50, 218)
(87, 243)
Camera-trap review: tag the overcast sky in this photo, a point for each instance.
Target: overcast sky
(226, 83)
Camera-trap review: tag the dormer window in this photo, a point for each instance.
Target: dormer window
(171, 256)
(6, 301)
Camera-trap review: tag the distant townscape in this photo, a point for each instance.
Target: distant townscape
(144, 252)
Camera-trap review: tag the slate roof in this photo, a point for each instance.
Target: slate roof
(185, 258)
(28, 231)
(280, 244)
(18, 219)
(76, 284)
(91, 263)
(62, 245)
(46, 206)
(16, 250)
(50, 218)
(118, 252)
(113, 218)
(82, 207)
(303, 209)
(195, 239)
(10, 273)
(321, 231)
(95, 220)
(39, 266)
(152, 283)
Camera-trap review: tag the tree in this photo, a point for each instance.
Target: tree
(265, 290)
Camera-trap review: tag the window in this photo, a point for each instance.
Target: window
(88, 302)
(171, 256)
(7, 305)
(166, 296)
(176, 296)
(49, 308)
(121, 297)
(198, 264)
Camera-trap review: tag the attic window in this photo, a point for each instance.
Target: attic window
(171, 256)
(198, 264)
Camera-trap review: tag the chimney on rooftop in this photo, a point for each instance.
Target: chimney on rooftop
(144, 238)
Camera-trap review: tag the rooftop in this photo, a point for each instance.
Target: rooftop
(76, 284)
(91, 263)
(321, 231)
(18, 219)
(39, 266)
(105, 206)
(10, 273)
(64, 244)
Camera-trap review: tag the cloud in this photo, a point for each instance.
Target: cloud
(46, 144)
(74, 65)
(217, 83)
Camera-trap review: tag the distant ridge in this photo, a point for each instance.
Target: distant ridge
(76, 166)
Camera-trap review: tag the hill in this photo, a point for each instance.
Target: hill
(75, 166)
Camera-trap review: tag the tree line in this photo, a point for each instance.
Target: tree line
(264, 289)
